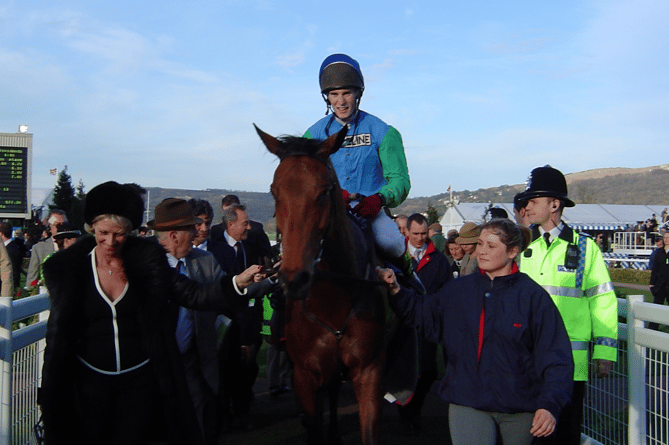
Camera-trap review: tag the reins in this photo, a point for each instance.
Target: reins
(350, 278)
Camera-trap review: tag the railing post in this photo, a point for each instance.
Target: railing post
(636, 376)
(6, 379)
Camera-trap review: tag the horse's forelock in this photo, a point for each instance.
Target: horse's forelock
(299, 146)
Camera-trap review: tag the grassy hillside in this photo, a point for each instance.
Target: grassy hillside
(648, 185)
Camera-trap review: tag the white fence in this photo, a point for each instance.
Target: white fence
(21, 352)
(630, 406)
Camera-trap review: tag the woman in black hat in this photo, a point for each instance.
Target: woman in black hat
(112, 373)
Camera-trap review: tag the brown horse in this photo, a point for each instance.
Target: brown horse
(334, 316)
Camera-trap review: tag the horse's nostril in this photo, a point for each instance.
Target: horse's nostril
(303, 278)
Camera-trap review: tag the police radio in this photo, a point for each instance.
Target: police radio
(571, 257)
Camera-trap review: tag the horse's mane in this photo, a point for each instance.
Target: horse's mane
(299, 146)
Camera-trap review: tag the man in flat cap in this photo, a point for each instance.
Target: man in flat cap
(570, 267)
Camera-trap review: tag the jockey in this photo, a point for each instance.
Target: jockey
(370, 165)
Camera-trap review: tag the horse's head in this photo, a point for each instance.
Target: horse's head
(306, 193)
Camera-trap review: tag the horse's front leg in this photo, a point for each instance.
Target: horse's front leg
(310, 399)
(334, 438)
(369, 394)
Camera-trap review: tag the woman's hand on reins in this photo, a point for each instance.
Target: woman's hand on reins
(387, 276)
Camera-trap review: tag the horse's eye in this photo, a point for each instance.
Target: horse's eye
(323, 195)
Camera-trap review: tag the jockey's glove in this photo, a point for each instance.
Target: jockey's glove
(369, 206)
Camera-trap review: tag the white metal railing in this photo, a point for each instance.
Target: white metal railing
(630, 405)
(632, 242)
(21, 354)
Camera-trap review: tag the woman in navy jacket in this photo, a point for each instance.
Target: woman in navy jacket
(510, 364)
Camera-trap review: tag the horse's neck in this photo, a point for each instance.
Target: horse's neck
(340, 248)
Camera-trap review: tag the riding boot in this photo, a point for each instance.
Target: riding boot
(405, 273)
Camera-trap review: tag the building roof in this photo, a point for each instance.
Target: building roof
(583, 216)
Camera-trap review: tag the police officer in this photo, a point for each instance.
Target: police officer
(371, 162)
(571, 269)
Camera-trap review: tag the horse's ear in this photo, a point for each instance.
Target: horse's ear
(333, 143)
(272, 143)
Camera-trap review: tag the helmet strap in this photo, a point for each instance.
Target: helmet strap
(327, 103)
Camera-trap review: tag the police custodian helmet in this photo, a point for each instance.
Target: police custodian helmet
(546, 181)
(340, 71)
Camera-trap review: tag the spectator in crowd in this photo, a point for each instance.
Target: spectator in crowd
(659, 275)
(434, 271)
(437, 238)
(501, 332)
(664, 215)
(455, 254)
(256, 244)
(16, 250)
(519, 213)
(143, 232)
(6, 273)
(112, 372)
(468, 239)
(659, 244)
(602, 242)
(66, 236)
(371, 166)
(195, 330)
(44, 248)
(238, 356)
(278, 361)
(571, 267)
(401, 222)
(497, 212)
(202, 240)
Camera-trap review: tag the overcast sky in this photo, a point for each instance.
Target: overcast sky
(165, 93)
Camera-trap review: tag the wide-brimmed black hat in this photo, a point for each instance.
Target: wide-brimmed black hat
(112, 198)
(546, 181)
(173, 213)
(67, 230)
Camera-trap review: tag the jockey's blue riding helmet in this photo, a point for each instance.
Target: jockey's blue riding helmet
(340, 71)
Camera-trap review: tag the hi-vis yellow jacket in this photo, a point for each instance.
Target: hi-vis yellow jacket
(589, 310)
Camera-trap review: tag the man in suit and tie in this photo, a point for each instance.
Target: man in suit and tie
(43, 249)
(256, 244)
(244, 341)
(195, 330)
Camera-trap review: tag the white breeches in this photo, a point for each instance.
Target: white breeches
(386, 234)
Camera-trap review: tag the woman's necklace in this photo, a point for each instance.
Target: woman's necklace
(110, 266)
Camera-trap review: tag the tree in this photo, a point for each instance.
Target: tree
(64, 199)
(432, 215)
(63, 192)
(81, 194)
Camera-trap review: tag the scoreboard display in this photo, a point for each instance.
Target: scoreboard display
(15, 175)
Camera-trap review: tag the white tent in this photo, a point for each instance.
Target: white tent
(583, 216)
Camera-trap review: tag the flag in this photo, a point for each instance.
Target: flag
(449, 188)
(53, 171)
